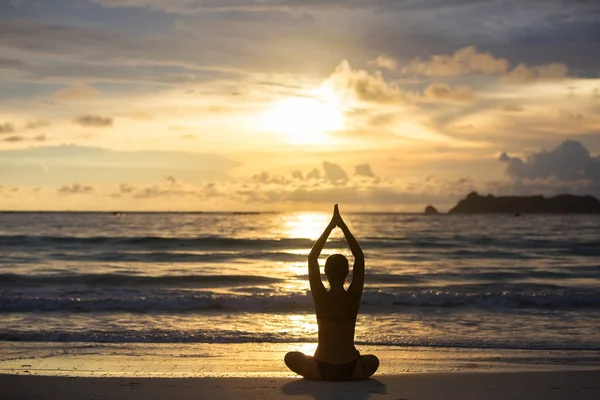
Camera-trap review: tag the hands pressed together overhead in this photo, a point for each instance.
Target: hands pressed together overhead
(336, 219)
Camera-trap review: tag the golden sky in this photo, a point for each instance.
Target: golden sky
(287, 105)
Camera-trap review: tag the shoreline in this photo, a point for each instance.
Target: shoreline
(150, 360)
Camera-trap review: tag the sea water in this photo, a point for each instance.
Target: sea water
(451, 281)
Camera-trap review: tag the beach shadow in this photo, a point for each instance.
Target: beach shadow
(321, 390)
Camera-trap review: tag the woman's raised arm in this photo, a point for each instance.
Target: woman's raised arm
(358, 271)
(314, 271)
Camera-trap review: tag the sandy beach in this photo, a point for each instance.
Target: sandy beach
(256, 371)
(464, 386)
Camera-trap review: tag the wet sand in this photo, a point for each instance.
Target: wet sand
(460, 385)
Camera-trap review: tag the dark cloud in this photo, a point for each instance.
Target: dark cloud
(94, 121)
(11, 63)
(21, 138)
(364, 170)
(85, 53)
(334, 173)
(567, 166)
(126, 188)
(297, 175)
(77, 188)
(49, 37)
(241, 34)
(444, 92)
(266, 177)
(6, 128)
(15, 139)
(313, 174)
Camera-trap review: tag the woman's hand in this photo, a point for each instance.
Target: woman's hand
(337, 218)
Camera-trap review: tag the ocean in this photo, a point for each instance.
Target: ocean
(446, 281)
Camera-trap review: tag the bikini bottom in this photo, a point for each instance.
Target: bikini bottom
(337, 372)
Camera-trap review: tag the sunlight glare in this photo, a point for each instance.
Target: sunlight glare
(305, 225)
(304, 120)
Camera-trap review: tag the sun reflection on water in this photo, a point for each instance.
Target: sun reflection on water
(306, 225)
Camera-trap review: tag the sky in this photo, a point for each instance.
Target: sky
(278, 105)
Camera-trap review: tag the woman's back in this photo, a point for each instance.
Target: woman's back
(336, 316)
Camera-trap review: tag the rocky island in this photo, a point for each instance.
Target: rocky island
(474, 203)
(431, 210)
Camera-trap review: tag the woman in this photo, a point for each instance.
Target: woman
(336, 358)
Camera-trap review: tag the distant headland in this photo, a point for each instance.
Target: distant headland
(474, 203)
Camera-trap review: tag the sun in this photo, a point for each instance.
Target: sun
(303, 120)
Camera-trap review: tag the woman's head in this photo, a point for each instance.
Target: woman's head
(336, 269)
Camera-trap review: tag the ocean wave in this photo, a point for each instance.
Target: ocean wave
(175, 257)
(118, 280)
(29, 248)
(372, 302)
(224, 336)
(472, 281)
(157, 242)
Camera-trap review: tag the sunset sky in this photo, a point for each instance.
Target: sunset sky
(294, 105)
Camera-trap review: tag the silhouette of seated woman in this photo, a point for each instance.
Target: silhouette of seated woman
(336, 358)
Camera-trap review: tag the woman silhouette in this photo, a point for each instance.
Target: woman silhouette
(336, 358)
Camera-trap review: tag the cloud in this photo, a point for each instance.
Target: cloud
(37, 124)
(126, 188)
(15, 139)
(568, 164)
(468, 61)
(6, 128)
(334, 173)
(269, 192)
(463, 62)
(10, 192)
(364, 86)
(79, 91)
(512, 108)
(364, 170)
(297, 175)
(524, 74)
(313, 174)
(94, 121)
(84, 53)
(11, 64)
(385, 62)
(76, 188)
(444, 92)
(169, 186)
(21, 138)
